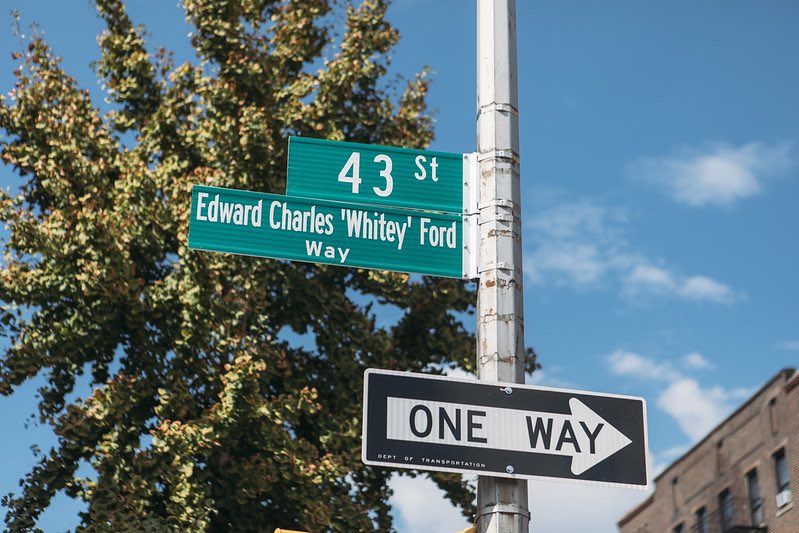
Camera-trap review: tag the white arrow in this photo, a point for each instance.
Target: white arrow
(584, 435)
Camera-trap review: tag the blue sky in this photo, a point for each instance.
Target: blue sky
(660, 173)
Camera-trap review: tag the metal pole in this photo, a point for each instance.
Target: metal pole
(501, 502)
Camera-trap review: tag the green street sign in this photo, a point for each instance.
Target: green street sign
(324, 231)
(376, 175)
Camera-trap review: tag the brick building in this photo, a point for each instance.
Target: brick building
(738, 478)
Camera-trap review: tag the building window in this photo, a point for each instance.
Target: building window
(674, 493)
(755, 501)
(781, 467)
(725, 509)
(701, 521)
(781, 475)
(772, 415)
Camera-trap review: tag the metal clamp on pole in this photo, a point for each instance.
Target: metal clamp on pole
(499, 265)
(496, 202)
(503, 211)
(501, 108)
(502, 217)
(497, 154)
(504, 508)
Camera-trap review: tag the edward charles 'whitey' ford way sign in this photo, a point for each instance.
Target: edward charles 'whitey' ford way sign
(324, 231)
(503, 429)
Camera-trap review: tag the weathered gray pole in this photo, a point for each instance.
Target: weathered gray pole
(501, 502)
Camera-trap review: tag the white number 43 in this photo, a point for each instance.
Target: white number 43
(351, 173)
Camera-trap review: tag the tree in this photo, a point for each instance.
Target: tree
(202, 415)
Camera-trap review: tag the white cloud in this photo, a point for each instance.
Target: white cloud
(624, 363)
(419, 507)
(573, 243)
(704, 288)
(697, 410)
(458, 372)
(719, 175)
(696, 360)
(549, 377)
(578, 219)
(574, 264)
(646, 279)
(791, 346)
(741, 393)
(651, 276)
(582, 245)
(552, 506)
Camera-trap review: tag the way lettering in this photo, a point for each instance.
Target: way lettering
(541, 433)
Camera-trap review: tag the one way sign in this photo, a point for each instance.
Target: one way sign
(503, 429)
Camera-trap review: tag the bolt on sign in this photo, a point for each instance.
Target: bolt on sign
(324, 231)
(429, 422)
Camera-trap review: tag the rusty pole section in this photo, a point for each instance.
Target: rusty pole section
(501, 502)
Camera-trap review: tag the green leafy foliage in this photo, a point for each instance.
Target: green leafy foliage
(201, 418)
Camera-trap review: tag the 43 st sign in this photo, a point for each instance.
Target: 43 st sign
(376, 175)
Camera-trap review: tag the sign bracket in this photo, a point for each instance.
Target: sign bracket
(471, 216)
